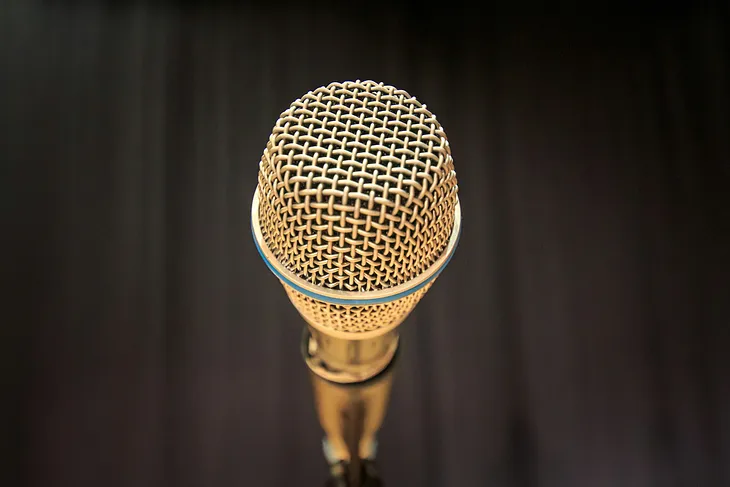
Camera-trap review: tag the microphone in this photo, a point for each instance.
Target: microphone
(356, 212)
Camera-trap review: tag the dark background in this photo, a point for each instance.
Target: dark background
(578, 338)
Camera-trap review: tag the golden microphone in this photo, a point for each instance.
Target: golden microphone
(356, 212)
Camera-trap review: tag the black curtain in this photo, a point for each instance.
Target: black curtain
(578, 338)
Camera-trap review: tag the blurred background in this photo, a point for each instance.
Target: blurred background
(578, 338)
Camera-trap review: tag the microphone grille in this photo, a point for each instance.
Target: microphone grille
(355, 319)
(357, 188)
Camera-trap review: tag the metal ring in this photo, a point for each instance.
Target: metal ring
(352, 298)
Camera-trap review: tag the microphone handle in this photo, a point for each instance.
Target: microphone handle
(351, 415)
(353, 420)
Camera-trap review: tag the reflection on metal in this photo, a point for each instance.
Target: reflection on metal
(357, 213)
(351, 415)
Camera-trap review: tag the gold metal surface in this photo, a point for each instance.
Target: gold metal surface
(356, 212)
(358, 188)
(354, 322)
(350, 414)
(348, 361)
(354, 297)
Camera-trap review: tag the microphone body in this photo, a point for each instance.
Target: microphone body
(356, 213)
(351, 415)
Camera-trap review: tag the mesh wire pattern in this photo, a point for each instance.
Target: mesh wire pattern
(357, 191)
(355, 319)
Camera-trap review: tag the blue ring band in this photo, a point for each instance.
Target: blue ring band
(353, 302)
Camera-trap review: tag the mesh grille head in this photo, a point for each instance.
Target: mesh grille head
(357, 193)
(358, 187)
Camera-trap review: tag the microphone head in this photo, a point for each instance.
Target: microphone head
(356, 209)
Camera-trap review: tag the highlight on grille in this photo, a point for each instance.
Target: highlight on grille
(357, 191)
(355, 319)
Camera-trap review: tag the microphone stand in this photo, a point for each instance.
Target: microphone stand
(350, 412)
